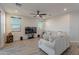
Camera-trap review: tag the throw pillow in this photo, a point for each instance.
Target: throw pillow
(45, 36)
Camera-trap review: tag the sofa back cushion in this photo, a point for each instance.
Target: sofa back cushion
(52, 36)
(45, 36)
(60, 34)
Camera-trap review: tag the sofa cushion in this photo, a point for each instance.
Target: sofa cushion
(52, 36)
(45, 37)
(60, 34)
(51, 44)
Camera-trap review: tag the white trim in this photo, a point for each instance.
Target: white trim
(74, 41)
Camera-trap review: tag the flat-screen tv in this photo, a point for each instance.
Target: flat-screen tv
(30, 30)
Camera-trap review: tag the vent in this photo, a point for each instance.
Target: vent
(18, 4)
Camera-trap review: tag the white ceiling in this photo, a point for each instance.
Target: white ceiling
(51, 9)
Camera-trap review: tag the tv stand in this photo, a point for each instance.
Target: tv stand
(30, 35)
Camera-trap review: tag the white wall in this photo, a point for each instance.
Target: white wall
(25, 22)
(74, 26)
(58, 23)
(2, 27)
(67, 22)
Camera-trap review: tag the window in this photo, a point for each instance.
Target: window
(40, 24)
(16, 24)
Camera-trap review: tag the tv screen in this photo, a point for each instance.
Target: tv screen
(30, 30)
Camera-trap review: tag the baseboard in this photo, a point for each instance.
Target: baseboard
(74, 42)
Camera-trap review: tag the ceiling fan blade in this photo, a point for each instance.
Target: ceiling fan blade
(34, 16)
(43, 14)
(40, 16)
(32, 13)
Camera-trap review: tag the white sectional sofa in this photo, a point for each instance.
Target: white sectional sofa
(54, 43)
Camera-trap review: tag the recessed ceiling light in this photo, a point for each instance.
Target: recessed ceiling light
(65, 9)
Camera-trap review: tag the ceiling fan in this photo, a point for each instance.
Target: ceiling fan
(38, 14)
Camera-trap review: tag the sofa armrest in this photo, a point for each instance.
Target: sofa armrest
(61, 45)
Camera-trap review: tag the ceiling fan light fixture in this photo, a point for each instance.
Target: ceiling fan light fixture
(37, 15)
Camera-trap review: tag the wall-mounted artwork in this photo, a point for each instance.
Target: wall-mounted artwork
(16, 24)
